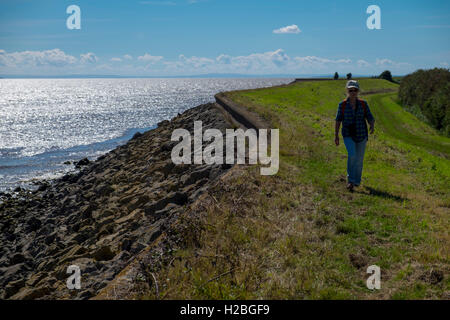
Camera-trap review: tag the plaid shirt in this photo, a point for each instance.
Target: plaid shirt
(354, 116)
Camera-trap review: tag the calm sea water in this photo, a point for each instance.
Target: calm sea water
(45, 122)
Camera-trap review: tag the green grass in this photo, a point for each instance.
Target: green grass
(300, 234)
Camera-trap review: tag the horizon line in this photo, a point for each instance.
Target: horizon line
(208, 75)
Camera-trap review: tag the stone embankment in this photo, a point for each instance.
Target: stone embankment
(103, 217)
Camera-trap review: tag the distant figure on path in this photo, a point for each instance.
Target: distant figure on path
(352, 113)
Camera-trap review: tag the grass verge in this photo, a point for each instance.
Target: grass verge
(300, 234)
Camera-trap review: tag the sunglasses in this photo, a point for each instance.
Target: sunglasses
(353, 90)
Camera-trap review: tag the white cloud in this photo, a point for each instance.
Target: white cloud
(224, 59)
(197, 62)
(384, 62)
(149, 58)
(277, 61)
(390, 63)
(54, 57)
(104, 67)
(444, 64)
(363, 63)
(310, 63)
(88, 58)
(266, 60)
(289, 29)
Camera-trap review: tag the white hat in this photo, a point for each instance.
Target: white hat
(352, 84)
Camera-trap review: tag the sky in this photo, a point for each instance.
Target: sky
(191, 37)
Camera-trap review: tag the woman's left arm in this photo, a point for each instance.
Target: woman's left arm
(370, 119)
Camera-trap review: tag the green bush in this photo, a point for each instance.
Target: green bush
(386, 75)
(429, 92)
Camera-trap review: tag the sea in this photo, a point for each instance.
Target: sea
(46, 122)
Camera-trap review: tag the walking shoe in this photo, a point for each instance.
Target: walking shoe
(350, 186)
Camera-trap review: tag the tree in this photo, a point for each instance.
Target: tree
(336, 76)
(386, 75)
(426, 93)
(349, 76)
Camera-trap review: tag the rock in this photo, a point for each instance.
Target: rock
(10, 236)
(106, 229)
(31, 293)
(163, 123)
(87, 265)
(35, 278)
(137, 202)
(178, 198)
(126, 244)
(17, 258)
(105, 221)
(13, 287)
(192, 177)
(167, 167)
(46, 265)
(167, 209)
(98, 218)
(137, 247)
(9, 273)
(103, 254)
(84, 234)
(136, 135)
(126, 199)
(122, 256)
(50, 238)
(74, 253)
(86, 294)
(82, 162)
(134, 215)
(103, 190)
(86, 211)
(67, 178)
(168, 146)
(43, 187)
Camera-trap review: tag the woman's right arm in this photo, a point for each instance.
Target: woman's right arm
(339, 118)
(336, 132)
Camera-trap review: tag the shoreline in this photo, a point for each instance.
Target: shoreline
(53, 164)
(102, 217)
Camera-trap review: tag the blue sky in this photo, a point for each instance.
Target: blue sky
(183, 37)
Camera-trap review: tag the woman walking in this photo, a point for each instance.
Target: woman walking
(353, 113)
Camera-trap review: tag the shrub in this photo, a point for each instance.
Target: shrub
(386, 75)
(429, 92)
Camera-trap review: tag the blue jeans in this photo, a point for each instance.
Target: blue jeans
(355, 159)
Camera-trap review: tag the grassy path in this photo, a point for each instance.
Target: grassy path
(405, 127)
(300, 234)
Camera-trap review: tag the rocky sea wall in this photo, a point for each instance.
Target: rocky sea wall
(105, 217)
